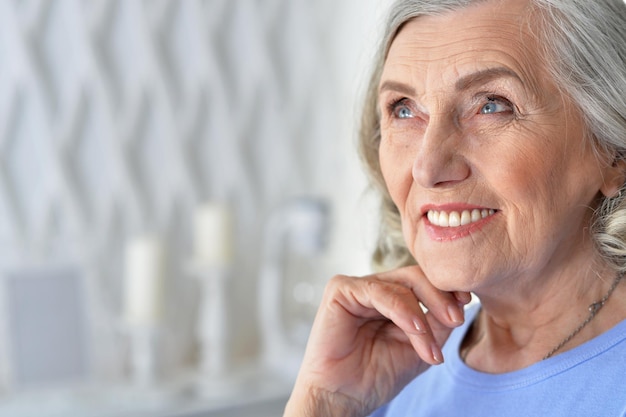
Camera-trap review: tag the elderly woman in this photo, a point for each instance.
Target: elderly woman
(496, 133)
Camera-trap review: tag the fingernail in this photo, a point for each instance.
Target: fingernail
(456, 314)
(437, 355)
(419, 326)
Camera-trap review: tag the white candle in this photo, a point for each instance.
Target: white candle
(143, 281)
(213, 235)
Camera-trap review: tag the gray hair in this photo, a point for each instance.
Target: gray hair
(585, 43)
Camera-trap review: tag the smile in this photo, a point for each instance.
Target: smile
(456, 218)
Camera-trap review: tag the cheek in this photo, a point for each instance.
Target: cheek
(520, 161)
(526, 175)
(528, 188)
(396, 168)
(545, 187)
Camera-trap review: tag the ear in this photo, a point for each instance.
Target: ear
(614, 177)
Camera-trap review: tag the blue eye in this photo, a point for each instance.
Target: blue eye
(494, 105)
(401, 110)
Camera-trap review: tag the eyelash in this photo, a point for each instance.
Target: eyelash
(393, 105)
(498, 99)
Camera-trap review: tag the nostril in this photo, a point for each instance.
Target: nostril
(439, 169)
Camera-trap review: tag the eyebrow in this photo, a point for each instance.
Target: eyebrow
(475, 78)
(484, 76)
(398, 87)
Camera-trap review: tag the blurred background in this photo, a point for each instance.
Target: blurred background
(178, 181)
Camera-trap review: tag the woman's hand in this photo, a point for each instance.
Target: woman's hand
(370, 338)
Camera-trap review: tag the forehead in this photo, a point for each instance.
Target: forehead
(488, 34)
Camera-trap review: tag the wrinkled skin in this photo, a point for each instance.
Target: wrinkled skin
(470, 120)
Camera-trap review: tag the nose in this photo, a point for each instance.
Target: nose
(439, 159)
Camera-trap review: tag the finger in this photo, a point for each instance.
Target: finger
(463, 297)
(440, 331)
(397, 296)
(374, 298)
(446, 306)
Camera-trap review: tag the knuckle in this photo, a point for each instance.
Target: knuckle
(337, 283)
(397, 298)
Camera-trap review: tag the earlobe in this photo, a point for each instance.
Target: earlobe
(614, 178)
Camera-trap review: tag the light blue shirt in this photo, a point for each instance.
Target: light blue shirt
(589, 381)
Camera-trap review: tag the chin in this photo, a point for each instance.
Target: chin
(450, 279)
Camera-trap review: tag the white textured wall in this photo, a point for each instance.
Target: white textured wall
(118, 118)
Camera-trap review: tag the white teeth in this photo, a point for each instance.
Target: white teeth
(466, 217)
(433, 216)
(456, 219)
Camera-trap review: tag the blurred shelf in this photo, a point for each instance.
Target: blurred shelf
(252, 393)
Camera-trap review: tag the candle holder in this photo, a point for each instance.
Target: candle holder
(210, 265)
(215, 377)
(142, 359)
(146, 384)
(212, 326)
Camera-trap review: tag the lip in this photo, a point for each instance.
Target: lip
(442, 234)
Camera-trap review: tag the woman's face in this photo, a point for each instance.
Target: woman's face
(485, 159)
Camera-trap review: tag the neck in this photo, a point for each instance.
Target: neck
(513, 333)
